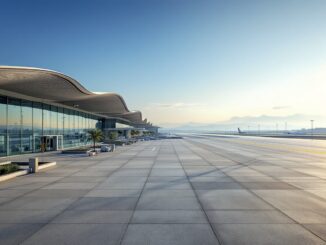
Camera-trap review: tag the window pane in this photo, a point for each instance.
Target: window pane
(14, 126)
(54, 120)
(76, 120)
(60, 121)
(46, 120)
(3, 126)
(27, 126)
(27, 117)
(37, 118)
(71, 121)
(37, 126)
(27, 143)
(68, 122)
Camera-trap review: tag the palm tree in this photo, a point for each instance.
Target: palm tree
(96, 136)
(134, 133)
(113, 135)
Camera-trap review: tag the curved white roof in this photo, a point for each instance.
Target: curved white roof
(56, 87)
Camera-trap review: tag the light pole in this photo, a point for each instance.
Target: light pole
(312, 128)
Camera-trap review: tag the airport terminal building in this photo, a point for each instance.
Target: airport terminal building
(45, 109)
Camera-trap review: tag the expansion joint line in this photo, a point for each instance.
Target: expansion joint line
(197, 198)
(141, 192)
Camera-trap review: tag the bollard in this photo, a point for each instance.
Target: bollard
(33, 165)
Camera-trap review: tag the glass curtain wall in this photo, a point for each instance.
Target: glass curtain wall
(26, 126)
(37, 125)
(3, 126)
(24, 123)
(54, 120)
(14, 126)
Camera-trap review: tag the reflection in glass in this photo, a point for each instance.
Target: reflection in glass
(60, 121)
(37, 125)
(46, 120)
(27, 126)
(14, 126)
(23, 125)
(54, 120)
(3, 126)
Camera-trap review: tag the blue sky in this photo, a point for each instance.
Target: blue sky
(179, 61)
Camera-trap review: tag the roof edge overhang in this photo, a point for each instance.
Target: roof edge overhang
(125, 114)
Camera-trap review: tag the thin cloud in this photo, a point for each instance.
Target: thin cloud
(282, 107)
(177, 105)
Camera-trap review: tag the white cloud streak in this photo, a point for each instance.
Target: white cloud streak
(282, 107)
(177, 105)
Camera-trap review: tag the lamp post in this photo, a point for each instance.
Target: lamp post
(312, 128)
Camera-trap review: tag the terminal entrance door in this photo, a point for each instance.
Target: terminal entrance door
(51, 142)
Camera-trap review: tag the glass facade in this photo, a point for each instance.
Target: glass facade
(27, 126)
(3, 126)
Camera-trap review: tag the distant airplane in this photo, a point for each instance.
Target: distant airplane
(240, 132)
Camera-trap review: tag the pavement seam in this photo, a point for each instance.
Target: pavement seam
(134, 210)
(198, 200)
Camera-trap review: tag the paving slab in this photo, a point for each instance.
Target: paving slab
(172, 234)
(248, 217)
(17, 233)
(94, 216)
(307, 216)
(169, 217)
(167, 203)
(248, 234)
(318, 229)
(77, 234)
(168, 185)
(38, 203)
(105, 203)
(113, 193)
(231, 199)
(71, 186)
(171, 193)
(28, 216)
(57, 193)
(216, 185)
(292, 199)
(262, 185)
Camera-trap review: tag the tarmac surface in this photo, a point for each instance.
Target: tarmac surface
(197, 190)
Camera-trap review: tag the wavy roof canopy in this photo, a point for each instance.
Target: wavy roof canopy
(56, 87)
(135, 116)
